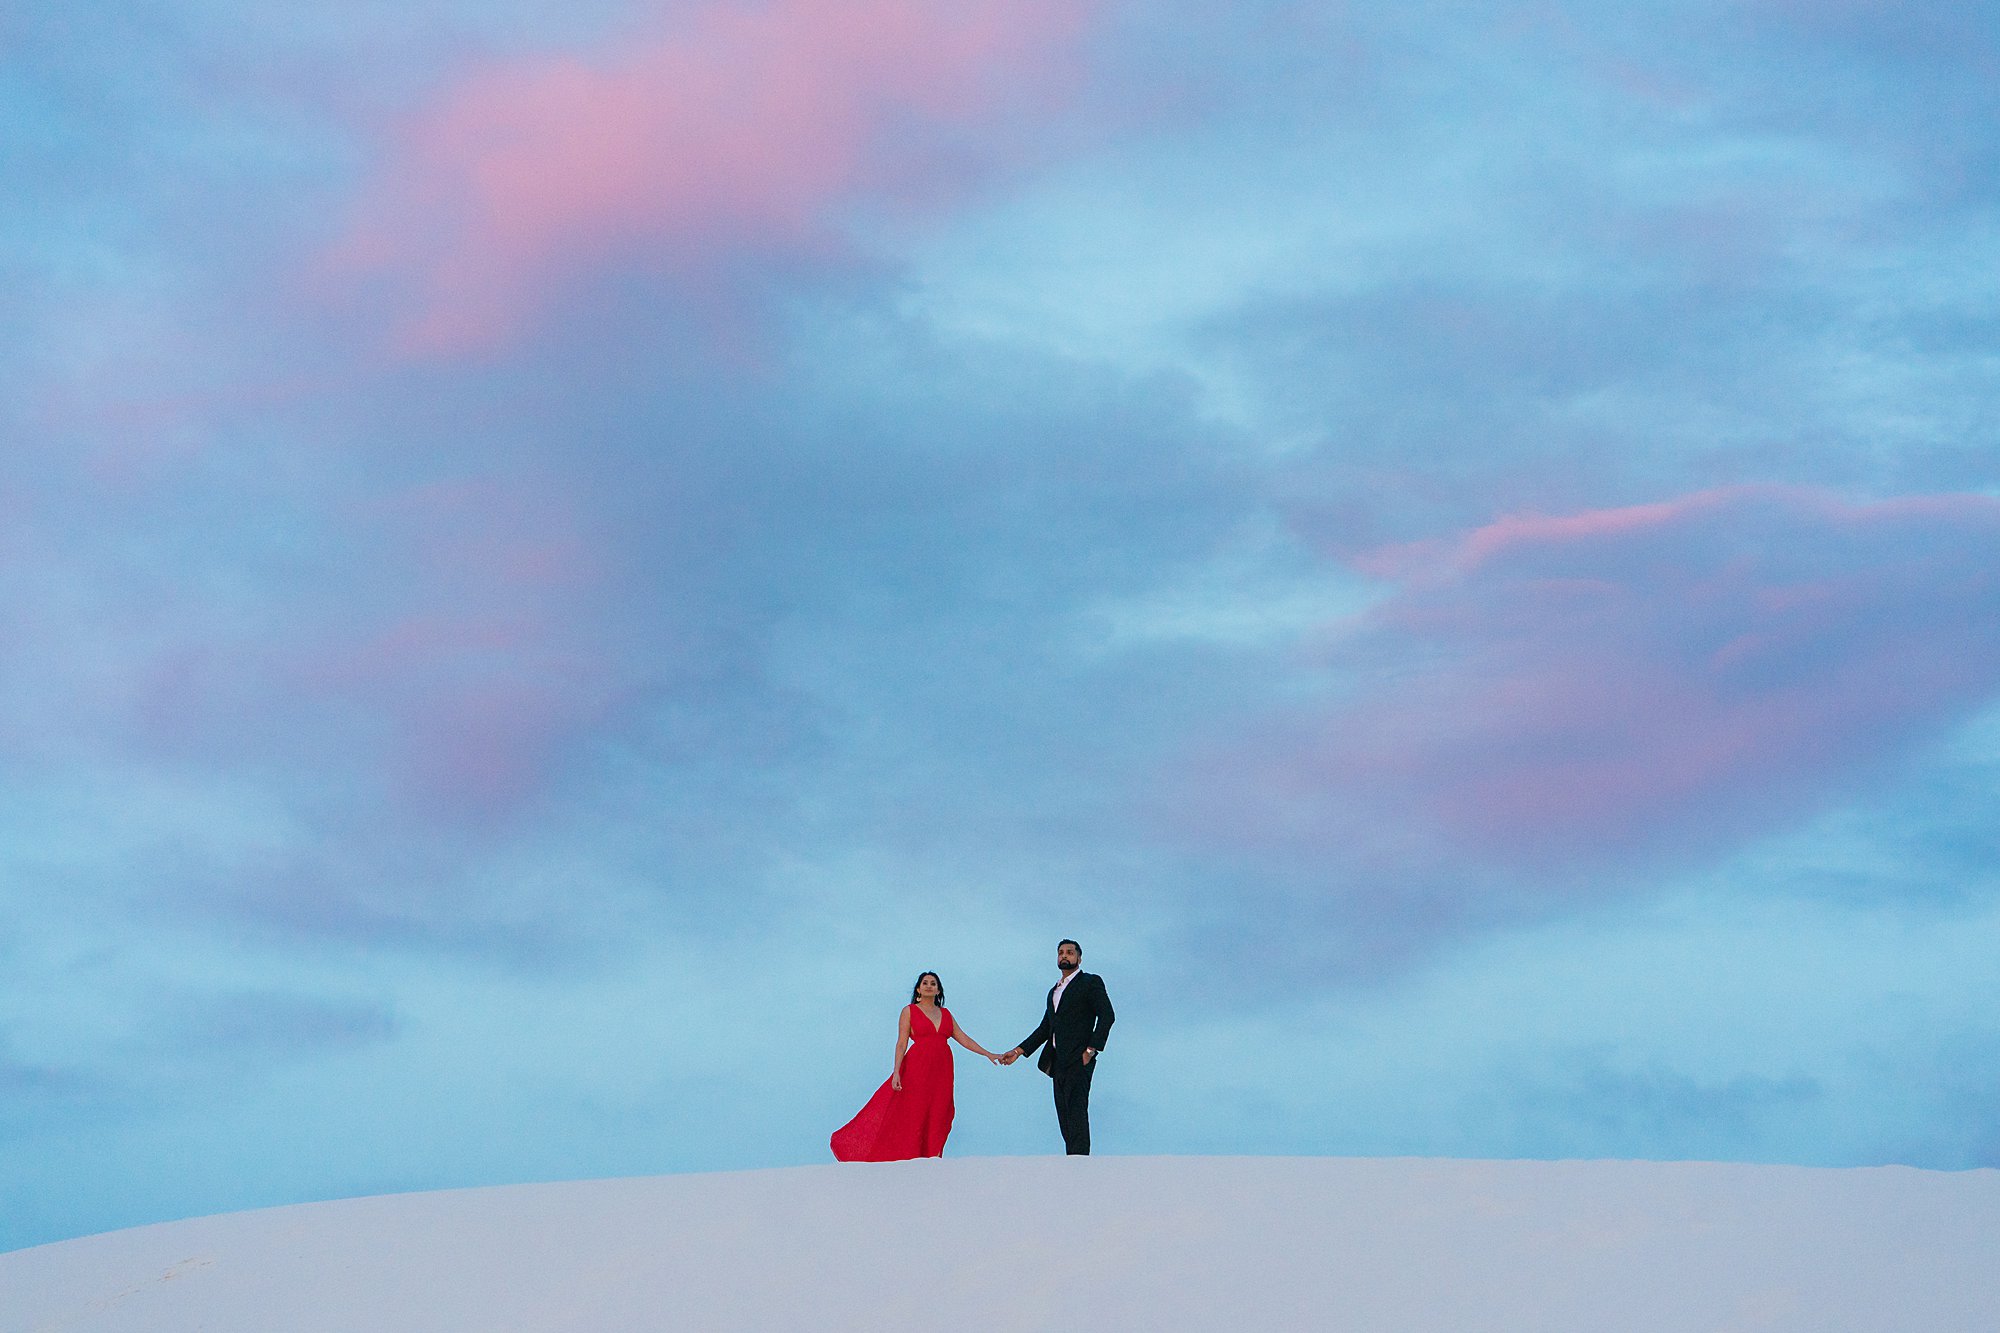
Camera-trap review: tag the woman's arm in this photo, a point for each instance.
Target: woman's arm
(958, 1035)
(902, 1045)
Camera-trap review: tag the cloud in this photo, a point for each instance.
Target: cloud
(500, 663)
(1589, 1102)
(1542, 698)
(740, 134)
(253, 1027)
(170, 1038)
(22, 1081)
(449, 639)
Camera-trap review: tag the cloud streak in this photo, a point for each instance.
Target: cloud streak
(1546, 695)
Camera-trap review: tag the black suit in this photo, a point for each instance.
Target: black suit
(1081, 1022)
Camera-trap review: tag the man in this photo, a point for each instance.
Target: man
(1074, 1026)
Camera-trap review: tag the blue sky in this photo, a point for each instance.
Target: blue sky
(556, 556)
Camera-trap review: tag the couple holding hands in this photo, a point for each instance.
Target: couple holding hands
(910, 1115)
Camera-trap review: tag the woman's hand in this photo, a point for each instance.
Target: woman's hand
(896, 1080)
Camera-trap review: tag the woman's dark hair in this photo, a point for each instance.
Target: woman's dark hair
(920, 981)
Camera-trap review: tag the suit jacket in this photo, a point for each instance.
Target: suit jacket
(1083, 1020)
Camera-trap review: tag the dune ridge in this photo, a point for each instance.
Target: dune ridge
(1040, 1243)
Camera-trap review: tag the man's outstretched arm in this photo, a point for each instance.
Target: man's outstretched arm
(1033, 1039)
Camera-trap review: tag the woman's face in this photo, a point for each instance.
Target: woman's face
(928, 988)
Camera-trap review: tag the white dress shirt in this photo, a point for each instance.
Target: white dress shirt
(1055, 1001)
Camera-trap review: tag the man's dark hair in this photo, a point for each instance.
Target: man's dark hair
(1072, 944)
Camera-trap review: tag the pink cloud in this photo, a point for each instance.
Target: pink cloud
(487, 660)
(1547, 693)
(441, 662)
(741, 133)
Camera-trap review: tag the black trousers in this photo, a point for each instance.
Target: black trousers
(1073, 1105)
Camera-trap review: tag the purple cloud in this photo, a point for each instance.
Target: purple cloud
(441, 654)
(1546, 694)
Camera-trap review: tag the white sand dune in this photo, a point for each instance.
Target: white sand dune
(1100, 1243)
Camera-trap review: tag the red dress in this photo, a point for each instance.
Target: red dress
(896, 1126)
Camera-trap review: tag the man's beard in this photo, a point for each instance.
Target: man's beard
(1065, 964)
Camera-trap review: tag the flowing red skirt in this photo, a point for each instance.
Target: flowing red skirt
(896, 1126)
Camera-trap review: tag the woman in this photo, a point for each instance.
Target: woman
(910, 1115)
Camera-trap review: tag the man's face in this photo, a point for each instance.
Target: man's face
(1067, 957)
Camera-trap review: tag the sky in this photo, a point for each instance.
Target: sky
(553, 557)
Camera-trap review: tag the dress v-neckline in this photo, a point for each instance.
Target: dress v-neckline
(936, 1025)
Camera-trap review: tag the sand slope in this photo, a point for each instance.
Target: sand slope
(1038, 1243)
